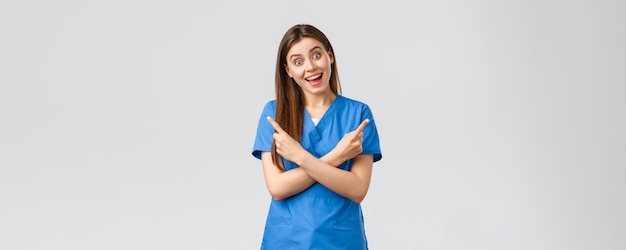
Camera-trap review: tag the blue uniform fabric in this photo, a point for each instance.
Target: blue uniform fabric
(318, 218)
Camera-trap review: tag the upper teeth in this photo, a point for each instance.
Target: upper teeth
(314, 77)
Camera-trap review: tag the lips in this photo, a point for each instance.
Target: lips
(314, 80)
(311, 78)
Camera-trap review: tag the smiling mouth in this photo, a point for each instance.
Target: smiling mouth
(313, 77)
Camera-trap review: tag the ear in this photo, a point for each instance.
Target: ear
(331, 56)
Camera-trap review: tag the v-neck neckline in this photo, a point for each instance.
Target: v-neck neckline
(325, 114)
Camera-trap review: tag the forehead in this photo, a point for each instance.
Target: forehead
(304, 46)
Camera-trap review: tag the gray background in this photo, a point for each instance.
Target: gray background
(129, 124)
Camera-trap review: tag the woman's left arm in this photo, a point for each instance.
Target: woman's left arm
(352, 184)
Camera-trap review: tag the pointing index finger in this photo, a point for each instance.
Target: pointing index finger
(362, 125)
(275, 124)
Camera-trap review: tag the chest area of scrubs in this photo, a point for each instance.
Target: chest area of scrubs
(321, 138)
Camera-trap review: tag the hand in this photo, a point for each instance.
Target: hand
(351, 144)
(286, 146)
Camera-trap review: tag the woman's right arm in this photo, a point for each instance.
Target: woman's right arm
(283, 184)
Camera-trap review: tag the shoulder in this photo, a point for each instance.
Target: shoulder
(351, 102)
(269, 105)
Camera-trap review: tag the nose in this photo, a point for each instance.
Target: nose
(309, 65)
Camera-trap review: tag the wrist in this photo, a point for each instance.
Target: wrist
(332, 158)
(303, 159)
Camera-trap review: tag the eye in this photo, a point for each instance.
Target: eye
(316, 56)
(297, 62)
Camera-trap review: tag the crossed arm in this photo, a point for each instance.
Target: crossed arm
(352, 184)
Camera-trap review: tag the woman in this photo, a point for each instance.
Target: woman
(317, 150)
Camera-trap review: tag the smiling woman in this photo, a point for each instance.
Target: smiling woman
(317, 149)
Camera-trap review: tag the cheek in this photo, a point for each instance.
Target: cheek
(295, 72)
(327, 64)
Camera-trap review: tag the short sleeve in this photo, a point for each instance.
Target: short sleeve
(265, 132)
(371, 142)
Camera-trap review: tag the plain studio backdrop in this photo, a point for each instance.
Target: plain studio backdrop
(130, 124)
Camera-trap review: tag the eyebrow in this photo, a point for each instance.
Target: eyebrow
(312, 49)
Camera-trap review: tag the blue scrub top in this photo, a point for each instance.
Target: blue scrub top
(318, 218)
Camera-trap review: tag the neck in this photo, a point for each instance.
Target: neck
(323, 100)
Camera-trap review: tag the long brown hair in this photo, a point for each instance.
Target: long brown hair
(289, 96)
